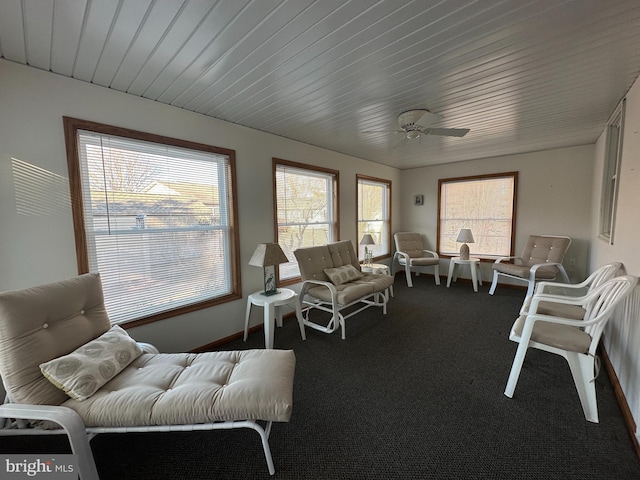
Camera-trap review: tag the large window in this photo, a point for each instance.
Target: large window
(156, 217)
(306, 209)
(486, 204)
(374, 214)
(611, 174)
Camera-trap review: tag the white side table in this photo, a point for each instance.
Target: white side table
(474, 265)
(377, 269)
(271, 305)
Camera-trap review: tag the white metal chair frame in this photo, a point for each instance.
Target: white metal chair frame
(14, 421)
(531, 280)
(593, 281)
(600, 304)
(406, 261)
(309, 302)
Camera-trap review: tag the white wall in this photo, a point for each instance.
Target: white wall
(37, 243)
(554, 197)
(622, 336)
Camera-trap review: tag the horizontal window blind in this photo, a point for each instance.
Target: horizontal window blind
(157, 223)
(304, 212)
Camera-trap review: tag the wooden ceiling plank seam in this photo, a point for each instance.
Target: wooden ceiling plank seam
(270, 62)
(153, 28)
(187, 23)
(38, 33)
(222, 13)
(256, 50)
(68, 19)
(12, 40)
(314, 62)
(126, 29)
(98, 23)
(225, 39)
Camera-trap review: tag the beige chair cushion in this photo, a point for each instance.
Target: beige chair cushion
(555, 335)
(57, 318)
(188, 388)
(410, 243)
(539, 249)
(88, 368)
(344, 274)
(572, 312)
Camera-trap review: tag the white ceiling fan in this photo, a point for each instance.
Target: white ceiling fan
(415, 125)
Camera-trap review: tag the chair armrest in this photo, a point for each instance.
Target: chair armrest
(322, 283)
(500, 259)
(435, 255)
(402, 254)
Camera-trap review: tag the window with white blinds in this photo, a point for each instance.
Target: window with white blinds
(374, 214)
(157, 220)
(305, 208)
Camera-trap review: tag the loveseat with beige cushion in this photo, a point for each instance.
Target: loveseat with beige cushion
(61, 361)
(333, 281)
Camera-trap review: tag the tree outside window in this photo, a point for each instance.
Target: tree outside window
(487, 205)
(374, 214)
(155, 217)
(306, 210)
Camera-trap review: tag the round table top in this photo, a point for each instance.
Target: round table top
(470, 260)
(284, 295)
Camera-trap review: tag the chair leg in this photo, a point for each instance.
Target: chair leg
(494, 284)
(436, 272)
(582, 370)
(518, 360)
(407, 271)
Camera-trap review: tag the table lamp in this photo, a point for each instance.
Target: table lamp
(465, 236)
(367, 239)
(267, 256)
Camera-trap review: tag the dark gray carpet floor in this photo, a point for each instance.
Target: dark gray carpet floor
(415, 394)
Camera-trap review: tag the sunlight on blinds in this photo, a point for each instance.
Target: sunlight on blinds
(157, 223)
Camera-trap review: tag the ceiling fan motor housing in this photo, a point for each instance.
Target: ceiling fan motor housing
(408, 120)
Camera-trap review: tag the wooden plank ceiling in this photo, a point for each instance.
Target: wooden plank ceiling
(521, 75)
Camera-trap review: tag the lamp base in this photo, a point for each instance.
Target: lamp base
(464, 252)
(269, 293)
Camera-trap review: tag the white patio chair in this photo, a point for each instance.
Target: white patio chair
(575, 340)
(413, 257)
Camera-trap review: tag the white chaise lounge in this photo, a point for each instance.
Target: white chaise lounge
(114, 385)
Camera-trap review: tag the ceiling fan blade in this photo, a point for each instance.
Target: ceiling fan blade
(384, 131)
(447, 132)
(428, 119)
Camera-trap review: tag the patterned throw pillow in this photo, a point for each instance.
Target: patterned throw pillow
(343, 274)
(82, 372)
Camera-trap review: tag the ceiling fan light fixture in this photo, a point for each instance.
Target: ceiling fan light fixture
(413, 134)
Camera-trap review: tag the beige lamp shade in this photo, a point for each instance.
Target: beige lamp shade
(367, 239)
(465, 236)
(268, 254)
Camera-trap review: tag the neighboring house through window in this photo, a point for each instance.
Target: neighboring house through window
(306, 210)
(373, 205)
(486, 204)
(156, 217)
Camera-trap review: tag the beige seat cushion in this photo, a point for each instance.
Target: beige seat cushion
(522, 271)
(572, 312)
(555, 335)
(420, 262)
(187, 388)
(366, 285)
